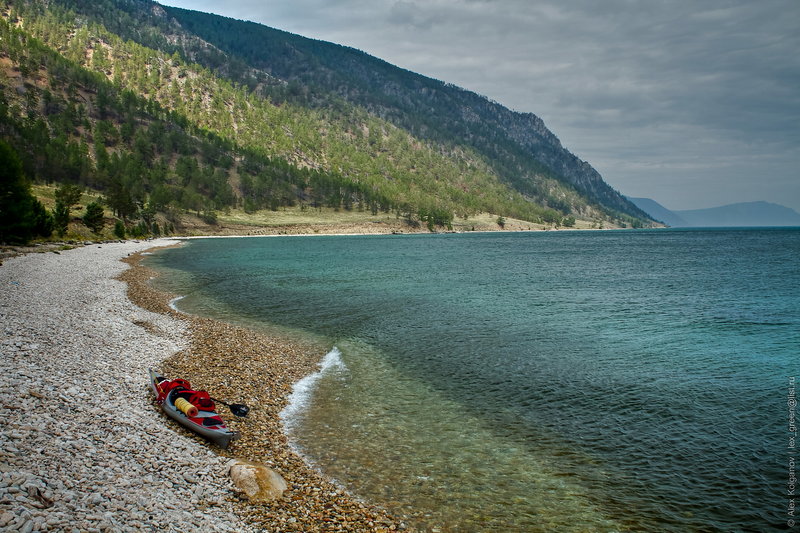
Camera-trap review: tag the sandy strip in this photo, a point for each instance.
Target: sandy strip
(245, 366)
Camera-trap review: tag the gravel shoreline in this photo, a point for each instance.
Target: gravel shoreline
(83, 448)
(245, 366)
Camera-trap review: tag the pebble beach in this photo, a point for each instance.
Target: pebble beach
(84, 448)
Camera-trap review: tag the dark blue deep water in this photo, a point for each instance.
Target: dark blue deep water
(568, 381)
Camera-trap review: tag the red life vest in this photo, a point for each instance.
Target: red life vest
(200, 399)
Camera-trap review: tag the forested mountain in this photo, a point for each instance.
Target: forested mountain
(518, 146)
(163, 109)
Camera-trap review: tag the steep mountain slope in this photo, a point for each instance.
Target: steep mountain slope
(522, 151)
(109, 81)
(518, 146)
(75, 126)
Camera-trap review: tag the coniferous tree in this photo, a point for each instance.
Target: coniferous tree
(60, 218)
(94, 217)
(68, 195)
(119, 229)
(43, 220)
(22, 216)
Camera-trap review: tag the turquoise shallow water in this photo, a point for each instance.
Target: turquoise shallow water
(574, 381)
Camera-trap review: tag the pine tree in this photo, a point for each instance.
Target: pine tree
(61, 218)
(94, 217)
(119, 229)
(22, 216)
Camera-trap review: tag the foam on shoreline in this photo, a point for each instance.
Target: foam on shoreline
(303, 390)
(243, 365)
(173, 302)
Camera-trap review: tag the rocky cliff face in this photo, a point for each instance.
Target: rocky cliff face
(530, 132)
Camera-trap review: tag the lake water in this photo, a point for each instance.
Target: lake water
(547, 381)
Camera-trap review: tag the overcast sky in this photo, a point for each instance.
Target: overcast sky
(693, 103)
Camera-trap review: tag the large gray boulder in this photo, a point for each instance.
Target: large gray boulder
(256, 481)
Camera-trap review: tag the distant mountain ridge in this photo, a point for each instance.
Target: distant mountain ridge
(659, 212)
(732, 215)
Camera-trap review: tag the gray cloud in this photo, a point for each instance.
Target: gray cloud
(691, 103)
(406, 13)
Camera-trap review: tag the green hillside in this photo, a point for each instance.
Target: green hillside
(95, 95)
(517, 146)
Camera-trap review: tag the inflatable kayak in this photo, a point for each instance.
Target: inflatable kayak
(192, 409)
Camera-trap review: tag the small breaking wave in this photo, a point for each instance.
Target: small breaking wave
(303, 390)
(175, 301)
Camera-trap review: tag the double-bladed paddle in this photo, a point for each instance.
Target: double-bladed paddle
(238, 409)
